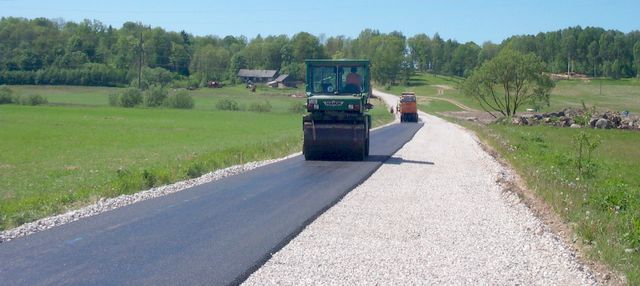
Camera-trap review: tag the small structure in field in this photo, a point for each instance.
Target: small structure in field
(282, 81)
(256, 76)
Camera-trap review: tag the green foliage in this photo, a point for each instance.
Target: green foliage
(6, 95)
(155, 96)
(210, 63)
(131, 97)
(260, 107)
(506, 82)
(33, 100)
(227, 104)
(151, 77)
(181, 100)
(150, 179)
(40, 51)
(585, 144)
(114, 99)
(195, 170)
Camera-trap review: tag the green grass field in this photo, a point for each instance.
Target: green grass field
(617, 95)
(434, 106)
(204, 98)
(79, 149)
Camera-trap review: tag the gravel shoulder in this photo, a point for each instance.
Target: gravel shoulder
(432, 214)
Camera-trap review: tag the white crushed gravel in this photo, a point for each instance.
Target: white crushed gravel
(104, 205)
(433, 214)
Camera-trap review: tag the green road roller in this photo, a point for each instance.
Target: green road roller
(337, 125)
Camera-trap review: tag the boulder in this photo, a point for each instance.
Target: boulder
(616, 119)
(592, 122)
(602, 123)
(575, 126)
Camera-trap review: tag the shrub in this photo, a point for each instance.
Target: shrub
(260, 107)
(181, 100)
(114, 99)
(149, 178)
(130, 97)
(585, 144)
(155, 96)
(33, 100)
(297, 107)
(227, 104)
(196, 170)
(6, 95)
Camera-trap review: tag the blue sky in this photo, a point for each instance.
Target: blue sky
(478, 21)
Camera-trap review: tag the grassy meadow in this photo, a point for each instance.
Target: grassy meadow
(601, 202)
(605, 94)
(78, 149)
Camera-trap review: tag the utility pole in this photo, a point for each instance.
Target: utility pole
(140, 54)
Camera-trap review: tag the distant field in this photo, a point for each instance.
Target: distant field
(616, 95)
(79, 149)
(436, 86)
(204, 98)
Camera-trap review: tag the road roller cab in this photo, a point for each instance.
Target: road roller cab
(337, 125)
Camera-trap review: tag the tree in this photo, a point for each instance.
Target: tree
(636, 58)
(508, 81)
(388, 58)
(420, 50)
(210, 63)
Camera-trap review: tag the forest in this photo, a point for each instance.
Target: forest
(56, 52)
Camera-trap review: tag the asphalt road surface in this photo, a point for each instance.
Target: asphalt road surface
(213, 234)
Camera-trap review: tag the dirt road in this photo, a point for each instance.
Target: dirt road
(432, 214)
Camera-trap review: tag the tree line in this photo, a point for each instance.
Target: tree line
(45, 51)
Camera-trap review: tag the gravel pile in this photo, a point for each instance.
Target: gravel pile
(433, 214)
(104, 205)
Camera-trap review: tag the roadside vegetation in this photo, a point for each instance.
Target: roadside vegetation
(55, 158)
(598, 194)
(587, 176)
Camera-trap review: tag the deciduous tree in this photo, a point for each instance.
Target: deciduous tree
(508, 81)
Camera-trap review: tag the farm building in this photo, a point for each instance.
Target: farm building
(282, 81)
(247, 75)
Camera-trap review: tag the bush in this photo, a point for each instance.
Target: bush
(114, 99)
(6, 95)
(130, 97)
(196, 170)
(227, 104)
(181, 100)
(33, 100)
(297, 107)
(260, 107)
(155, 96)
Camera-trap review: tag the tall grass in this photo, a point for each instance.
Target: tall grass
(599, 197)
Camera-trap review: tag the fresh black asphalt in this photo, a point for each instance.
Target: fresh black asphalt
(213, 234)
